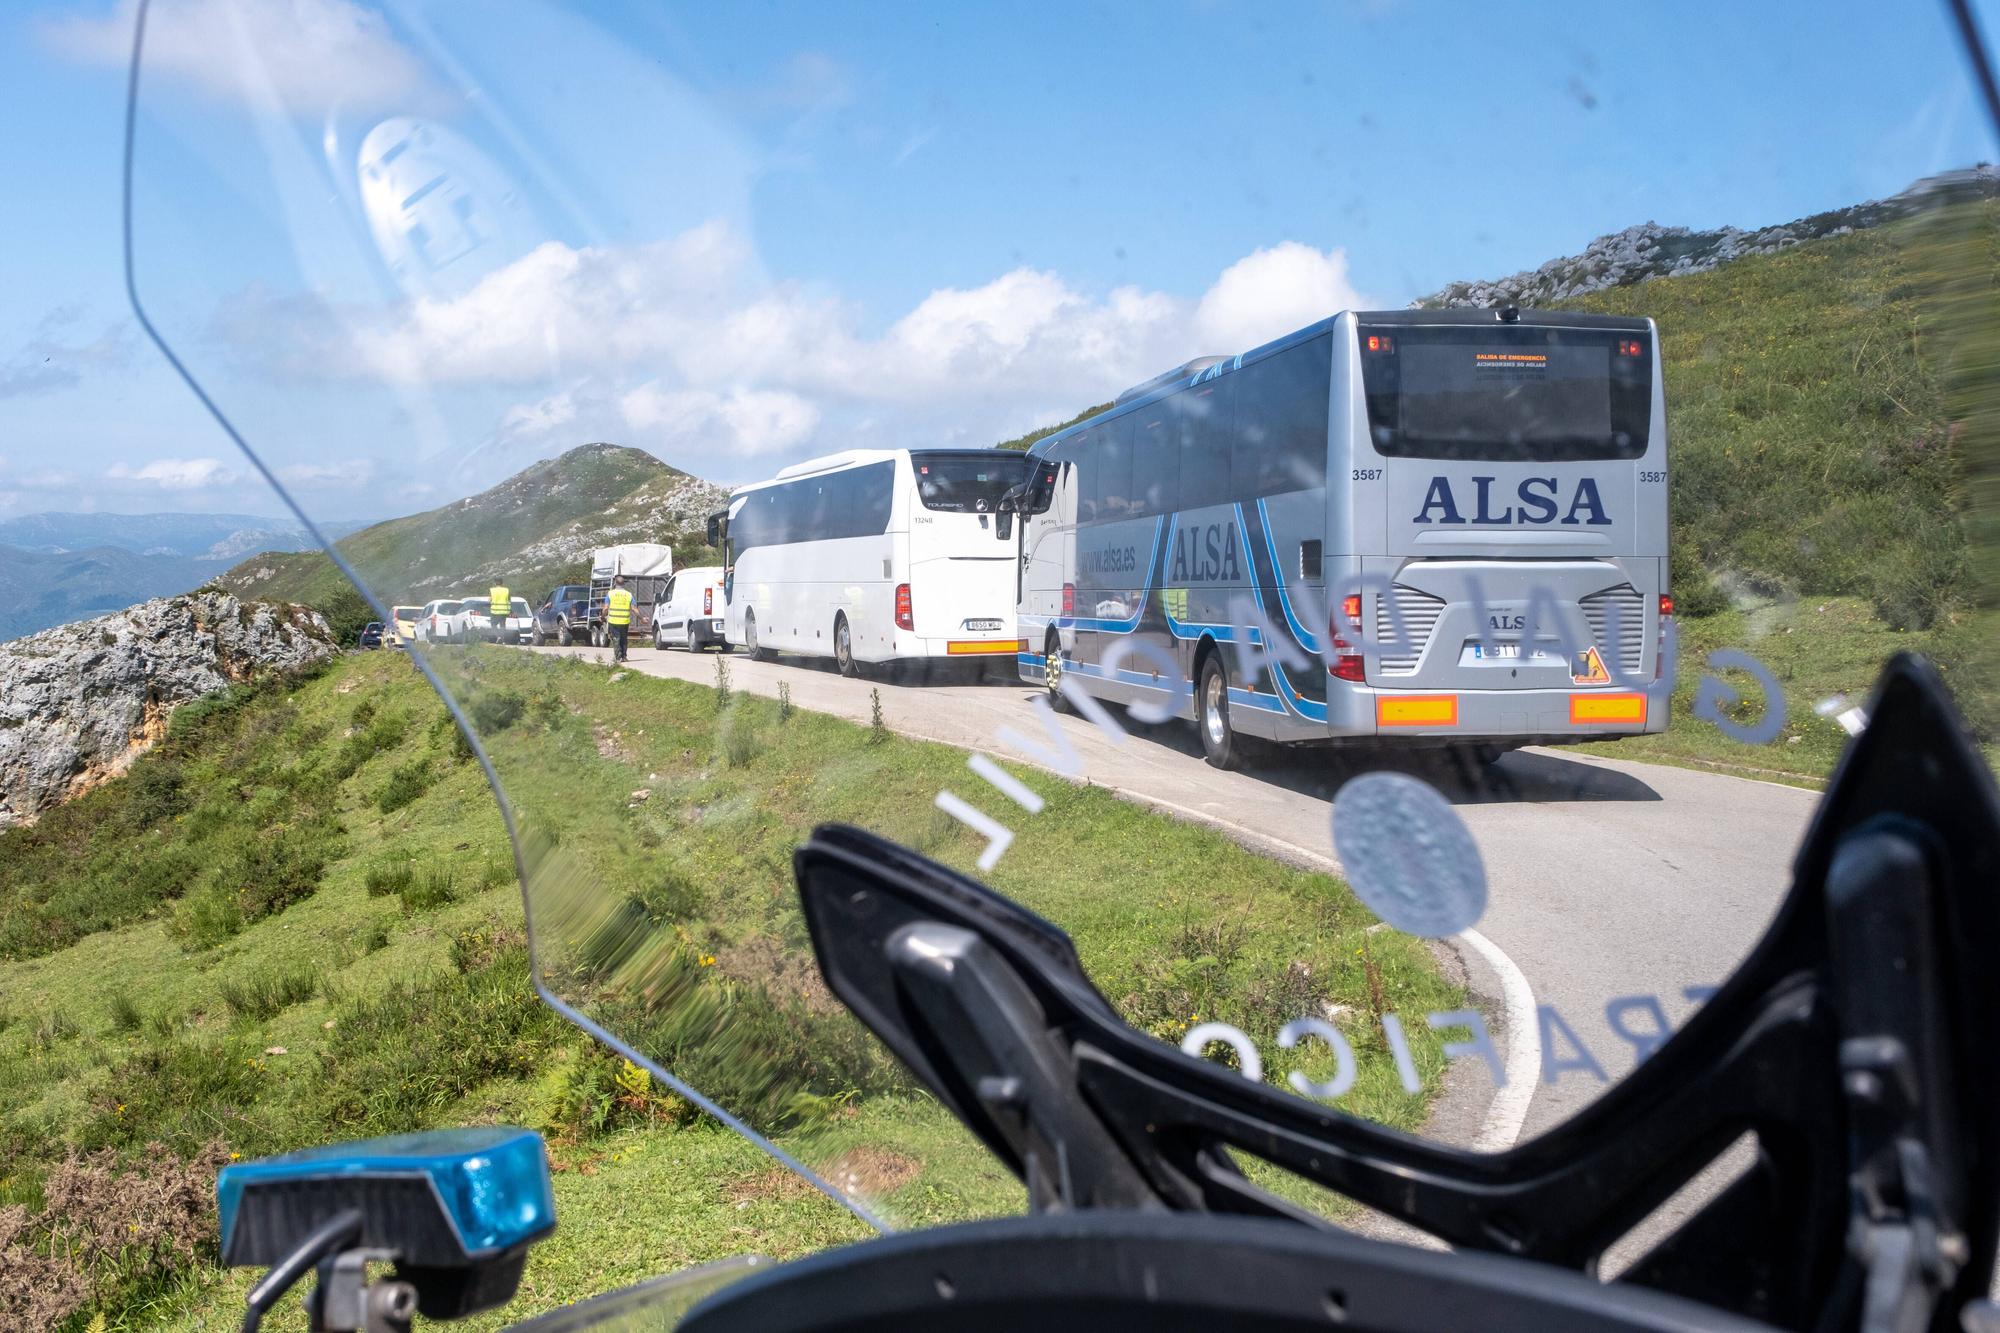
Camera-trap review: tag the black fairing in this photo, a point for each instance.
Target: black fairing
(1856, 1043)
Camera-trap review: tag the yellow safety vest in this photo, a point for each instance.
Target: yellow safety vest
(618, 607)
(500, 599)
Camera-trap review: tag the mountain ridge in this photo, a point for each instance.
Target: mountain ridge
(1647, 251)
(530, 531)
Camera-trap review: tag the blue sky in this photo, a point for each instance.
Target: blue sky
(740, 234)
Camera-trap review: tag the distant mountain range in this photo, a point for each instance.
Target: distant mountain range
(56, 567)
(532, 531)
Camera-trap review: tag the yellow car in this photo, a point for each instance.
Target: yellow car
(403, 624)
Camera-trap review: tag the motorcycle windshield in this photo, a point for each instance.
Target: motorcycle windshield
(1410, 690)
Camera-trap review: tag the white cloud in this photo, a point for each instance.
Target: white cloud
(1268, 293)
(351, 472)
(306, 56)
(175, 474)
(682, 340)
(739, 422)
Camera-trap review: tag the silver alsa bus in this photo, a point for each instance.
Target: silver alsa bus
(1436, 526)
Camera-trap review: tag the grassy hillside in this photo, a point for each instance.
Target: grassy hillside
(295, 921)
(531, 531)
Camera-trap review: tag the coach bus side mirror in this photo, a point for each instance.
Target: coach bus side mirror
(718, 525)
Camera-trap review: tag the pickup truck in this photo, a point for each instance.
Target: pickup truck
(564, 615)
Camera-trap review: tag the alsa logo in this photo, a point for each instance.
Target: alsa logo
(1536, 497)
(1517, 620)
(1206, 553)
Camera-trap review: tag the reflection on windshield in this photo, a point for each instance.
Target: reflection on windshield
(1411, 700)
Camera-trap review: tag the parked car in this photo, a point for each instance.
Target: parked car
(564, 616)
(689, 612)
(371, 635)
(439, 620)
(520, 626)
(402, 627)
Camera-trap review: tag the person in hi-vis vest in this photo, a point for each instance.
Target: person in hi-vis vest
(618, 617)
(499, 598)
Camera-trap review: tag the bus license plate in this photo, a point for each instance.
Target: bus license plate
(982, 625)
(1500, 652)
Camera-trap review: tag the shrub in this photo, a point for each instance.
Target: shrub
(784, 701)
(363, 711)
(387, 877)
(268, 994)
(494, 712)
(594, 1090)
(722, 690)
(125, 1015)
(105, 1227)
(405, 784)
(396, 1061)
(436, 887)
(265, 871)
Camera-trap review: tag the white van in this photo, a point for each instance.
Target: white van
(689, 612)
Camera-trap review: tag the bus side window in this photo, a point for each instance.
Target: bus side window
(1203, 414)
(1156, 461)
(1112, 487)
(1281, 421)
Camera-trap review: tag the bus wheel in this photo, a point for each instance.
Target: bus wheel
(1219, 745)
(843, 648)
(1052, 672)
(757, 651)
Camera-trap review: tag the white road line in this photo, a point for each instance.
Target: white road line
(1508, 1110)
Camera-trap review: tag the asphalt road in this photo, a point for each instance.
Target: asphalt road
(1606, 879)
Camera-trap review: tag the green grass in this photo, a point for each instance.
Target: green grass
(1817, 649)
(389, 989)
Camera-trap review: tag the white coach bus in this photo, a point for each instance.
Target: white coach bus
(874, 556)
(1440, 526)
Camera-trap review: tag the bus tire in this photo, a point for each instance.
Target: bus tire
(1052, 672)
(843, 648)
(1220, 745)
(758, 653)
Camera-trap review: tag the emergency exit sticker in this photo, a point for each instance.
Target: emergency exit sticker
(1510, 361)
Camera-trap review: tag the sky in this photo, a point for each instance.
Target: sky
(410, 247)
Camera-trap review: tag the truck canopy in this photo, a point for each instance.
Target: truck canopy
(631, 560)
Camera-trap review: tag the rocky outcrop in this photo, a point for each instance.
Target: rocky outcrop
(1639, 254)
(78, 703)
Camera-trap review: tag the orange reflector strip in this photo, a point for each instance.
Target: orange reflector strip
(969, 647)
(1416, 710)
(1607, 708)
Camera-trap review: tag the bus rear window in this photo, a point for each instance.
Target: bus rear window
(1514, 394)
(967, 483)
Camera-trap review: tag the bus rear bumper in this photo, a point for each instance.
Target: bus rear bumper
(1479, 715)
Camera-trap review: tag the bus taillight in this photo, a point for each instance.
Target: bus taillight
(904, 618)
(1345, 665)
(1666, 603)
(1069, 599)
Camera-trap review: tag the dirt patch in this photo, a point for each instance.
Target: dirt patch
(610, 744)
(771, 1183)
(870, 1172)
(787, 974)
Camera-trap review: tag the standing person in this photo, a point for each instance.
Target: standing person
(618, 616)
(499, 599)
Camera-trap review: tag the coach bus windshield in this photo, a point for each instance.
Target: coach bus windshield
(966, 483)
(1531, 395)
